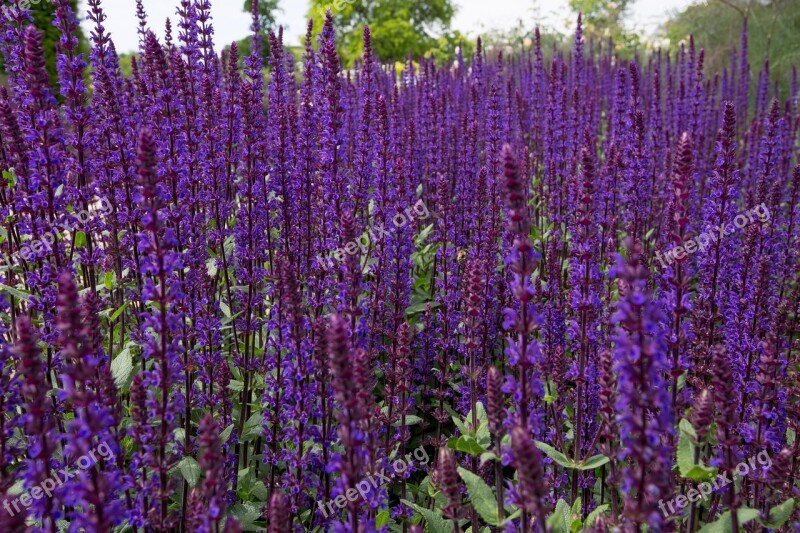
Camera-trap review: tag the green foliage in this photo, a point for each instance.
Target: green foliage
(266, 12)
(591, 463)
(481, 496)
(435, 522)
(399, 27)
(723, 523)
(773, 28)
(43, 14)
(522, 37)
(686, 452)
(779, 514)
(560, 521)
(604, 18)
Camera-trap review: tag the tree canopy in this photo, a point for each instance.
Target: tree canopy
(399, 27)
(604, 18)
(773, 29)
(266, 12)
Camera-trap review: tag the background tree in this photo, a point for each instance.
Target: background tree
(605, 18)
(399, 27)
(267, 10)
(43, 14)
(773, 29)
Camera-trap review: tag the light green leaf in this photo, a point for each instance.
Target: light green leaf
(561, 519)
(211, 267)
(465, 444)
(487, 456)
(252, 428)
(190, 470)
(382, 519)
(594, 515)
(16, 293)
(10, 177)
(115, 314)
(410, 421)
(685, 455)
(122, 367)
(593, 462)
(247, 513)
(576, 505)
(436, 523)
(260, 491)
(723, 523)
(80, 239)
(778, 515)
(555, 455)
(513, 516)
(482, 496)
(482, 434)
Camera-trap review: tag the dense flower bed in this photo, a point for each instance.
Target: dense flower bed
(516, 293)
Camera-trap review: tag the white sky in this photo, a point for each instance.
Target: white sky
(231, 23)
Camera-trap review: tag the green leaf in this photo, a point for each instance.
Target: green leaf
(561, 519)
(122, 367)
(594, 515)
(576, 505)
(10, 177)
(80, 239)
(685, 455)
(465, 444)
(190, 470)
(420, 307)
(260, 491)
(436, 523)
(723, 523)
(576, 524)
(482, 496)
(16, 488)
(115, 314)
(108, 280)
(593, 462)
(482, 434)
(555, 455)
(778, 515)
(382, 519)
(252, 428)
(410, 421)
(16, 293)
(513, 516)
(487, 456)
(550, 392)
(211, 267)
(247, 513)
(226, 434)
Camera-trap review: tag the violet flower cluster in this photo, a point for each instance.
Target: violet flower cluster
(525, 332)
